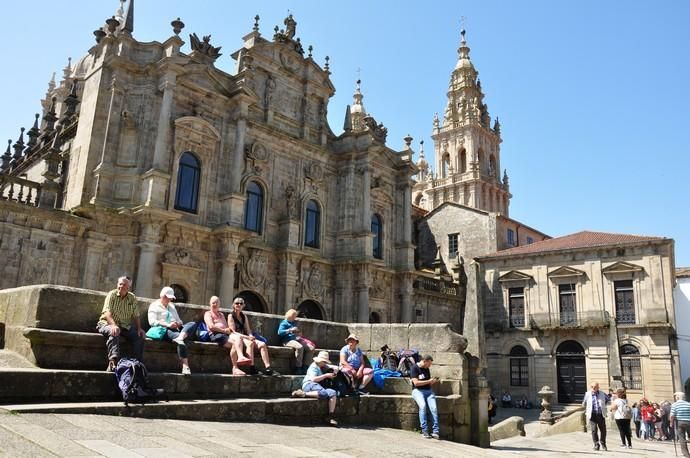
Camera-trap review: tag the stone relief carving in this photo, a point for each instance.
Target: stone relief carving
(378, 289)
(291, 202)
(312, 282)
(204, 46)
(256, 151)
(182, 257)
(314, 171)
(254, 269)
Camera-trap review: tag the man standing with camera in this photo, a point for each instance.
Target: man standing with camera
(424, 396)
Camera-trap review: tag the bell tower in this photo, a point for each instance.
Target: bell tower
(466, 146)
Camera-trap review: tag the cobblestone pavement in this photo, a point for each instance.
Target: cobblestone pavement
(95, 435)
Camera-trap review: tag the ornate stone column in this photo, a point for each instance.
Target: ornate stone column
(157, 180)
(150, 224)
(366, 197)
(235, 199)
(92, 266)
(229, 249)
(363, 294)
(146, 270)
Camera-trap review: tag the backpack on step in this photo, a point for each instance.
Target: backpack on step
(132, 379)
(388, 359)
(408, 358)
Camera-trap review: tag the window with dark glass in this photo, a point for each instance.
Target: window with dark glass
(566, 304)
(254, 207)
(530, 240)
(516, 307)
(188, 177)
(377, 230)
(312, 225)
(632, 370)
(625, 302)
(452, 245)
(519, 367)
(511, 237)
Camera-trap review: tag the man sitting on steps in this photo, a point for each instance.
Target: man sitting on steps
(120, 317)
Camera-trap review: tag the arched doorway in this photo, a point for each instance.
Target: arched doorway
(374, 317)
(571, 372)
(310, 309)
(181, 295)
(252, 302)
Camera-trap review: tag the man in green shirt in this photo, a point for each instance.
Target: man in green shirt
(120, 317)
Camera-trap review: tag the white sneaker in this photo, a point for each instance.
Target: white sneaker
(186, 370)
(179, 340)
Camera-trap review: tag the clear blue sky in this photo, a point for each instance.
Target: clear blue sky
(593, 97)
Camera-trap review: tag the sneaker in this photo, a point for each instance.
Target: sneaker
(269, 371)
(298, 394)
(362, 392)
(426, 435)
(186, 370)
(596, 446)
(435, 436)
(179, 340)
(111, 366)
(629, 446)
(332, 421)
(603, 448)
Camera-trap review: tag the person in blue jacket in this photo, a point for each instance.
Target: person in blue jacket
(290, 336)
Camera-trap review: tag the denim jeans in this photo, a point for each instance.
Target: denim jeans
(189, 329)
(426, 397)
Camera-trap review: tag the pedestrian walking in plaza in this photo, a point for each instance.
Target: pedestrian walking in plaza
(680, 418)
(622, 414)
(595, 407)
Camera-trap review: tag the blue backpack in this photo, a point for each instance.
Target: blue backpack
(132, 379)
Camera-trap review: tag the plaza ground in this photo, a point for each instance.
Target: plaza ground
(99, 435)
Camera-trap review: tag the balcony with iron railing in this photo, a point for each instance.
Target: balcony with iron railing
(437, 286)
(584, 319)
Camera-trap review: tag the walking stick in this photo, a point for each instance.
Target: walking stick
(675, 436)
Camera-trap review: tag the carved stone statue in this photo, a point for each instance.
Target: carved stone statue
(204, 47)
(268, 91)
(377, 130)
(290, 27)
(291, 201)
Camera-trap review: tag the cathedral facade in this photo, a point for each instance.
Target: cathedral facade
(149, 161)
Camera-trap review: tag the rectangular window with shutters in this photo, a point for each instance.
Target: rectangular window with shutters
(566, 303)
(519, 372)
(625, 302)
(511, 237)
(452, 245)
(516, 307)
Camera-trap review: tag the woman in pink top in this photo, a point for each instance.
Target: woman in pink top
(220, 333)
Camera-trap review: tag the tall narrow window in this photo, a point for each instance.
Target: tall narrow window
(312, 223)
(452, 246)
(566, 303)
(632, 370)
(625, 303)
(463, 161)
(188, 177)
(519, 368)
(377, 230)
(445, 166)
(254, 207)
(516, 307)
(510, 237)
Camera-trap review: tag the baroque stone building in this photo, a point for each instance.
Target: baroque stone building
(148, 160)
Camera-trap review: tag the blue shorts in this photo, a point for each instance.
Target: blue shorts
(219, 338)
(324, 393)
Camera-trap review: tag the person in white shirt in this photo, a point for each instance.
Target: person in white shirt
(622, 414)
(166, 325)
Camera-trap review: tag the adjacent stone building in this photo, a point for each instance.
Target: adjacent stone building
(681, 296)
(149, 161)
(584, 307)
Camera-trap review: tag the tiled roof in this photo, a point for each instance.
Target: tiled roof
(584, 239)
(683, 272)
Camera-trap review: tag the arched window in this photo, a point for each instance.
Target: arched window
(463, 161)
(254, 207)
(310, 309)
(374, 317)
(519, 367)
(445, 165)
(632, 370)
(253, 302)
(312, 224)
(377, 230)
(188, 178)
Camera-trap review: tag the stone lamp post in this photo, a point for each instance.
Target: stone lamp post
(546, 415)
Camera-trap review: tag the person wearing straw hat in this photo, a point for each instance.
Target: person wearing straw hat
(321, 369)
(352, 364)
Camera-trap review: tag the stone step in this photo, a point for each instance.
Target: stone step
(27, 385)
(396, 411)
